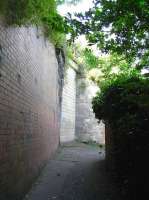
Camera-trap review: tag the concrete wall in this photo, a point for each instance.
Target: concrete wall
(87, 127)
(68, 107)
(29, 107)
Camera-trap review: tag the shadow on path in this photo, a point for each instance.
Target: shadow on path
(76, 173)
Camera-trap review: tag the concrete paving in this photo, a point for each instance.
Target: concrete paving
(77, 172)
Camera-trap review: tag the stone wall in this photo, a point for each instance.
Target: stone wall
(77, 118)
(29, 107)
(68, 107)
(87, 127)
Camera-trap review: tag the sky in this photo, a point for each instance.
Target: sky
(82, 6)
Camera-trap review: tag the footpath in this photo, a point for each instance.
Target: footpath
(77, 172)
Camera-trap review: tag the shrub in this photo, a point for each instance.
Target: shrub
(124, 104)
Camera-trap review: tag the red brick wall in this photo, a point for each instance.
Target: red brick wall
(29, 107)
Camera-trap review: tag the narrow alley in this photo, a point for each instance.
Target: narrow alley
(77, 172)
(74, 70)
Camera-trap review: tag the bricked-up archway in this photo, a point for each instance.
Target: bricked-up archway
(77, 118)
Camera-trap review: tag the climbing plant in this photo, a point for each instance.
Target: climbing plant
(27, 11)
(90, 60)
(42, 13)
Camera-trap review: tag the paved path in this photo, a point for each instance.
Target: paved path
(76, 173)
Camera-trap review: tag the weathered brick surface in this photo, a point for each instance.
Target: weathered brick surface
(29, 107)
(87, 127)
(68, 107)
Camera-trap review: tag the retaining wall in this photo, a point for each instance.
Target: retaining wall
(29, 107)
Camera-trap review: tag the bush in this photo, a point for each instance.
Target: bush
(124, 104)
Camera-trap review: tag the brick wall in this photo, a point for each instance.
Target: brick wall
(68, 107)
(29, 107)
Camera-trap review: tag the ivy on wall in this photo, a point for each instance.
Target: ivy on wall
(37, 12)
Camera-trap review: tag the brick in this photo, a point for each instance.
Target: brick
(29, 107)
(87, 127)
(67, 132)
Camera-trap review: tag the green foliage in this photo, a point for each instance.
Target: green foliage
(124, 104)
(90, 60)
(114, 91)
(105, 68)
(116, 25)
(27, 11)
(70, 53)
(76, 53)
(99, 68)
(113, 62)
(74, 2)
(54, 28)
(42, 13)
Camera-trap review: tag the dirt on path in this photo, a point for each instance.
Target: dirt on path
(77, 172)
